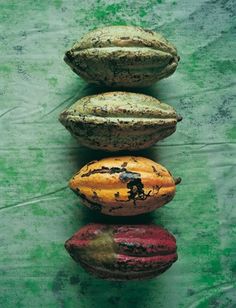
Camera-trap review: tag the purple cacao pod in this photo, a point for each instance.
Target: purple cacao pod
(123, 252)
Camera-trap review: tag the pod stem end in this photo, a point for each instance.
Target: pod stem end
(177, 180)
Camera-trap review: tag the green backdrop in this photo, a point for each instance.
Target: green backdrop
(38, 156)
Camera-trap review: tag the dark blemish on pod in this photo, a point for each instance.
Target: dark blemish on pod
(136, 190)
(92, 162)
(155, 170)
(157, 188)
(93, 205)
(95, 196)
(124, 164)
(135, 186)
(117, 194)
(104, 170)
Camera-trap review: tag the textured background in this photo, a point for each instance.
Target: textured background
(38, 156)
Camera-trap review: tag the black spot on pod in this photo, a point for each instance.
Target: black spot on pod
(135, 186)
(104, 170)
(117, 194)
(93, 205)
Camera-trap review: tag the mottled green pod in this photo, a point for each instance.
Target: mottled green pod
(115, 121)
(124, 56)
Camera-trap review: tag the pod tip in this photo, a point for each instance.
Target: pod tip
(177, 180)
(179, 118)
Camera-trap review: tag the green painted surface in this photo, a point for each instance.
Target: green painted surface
(38, 156)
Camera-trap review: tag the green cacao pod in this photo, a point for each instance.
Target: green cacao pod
(123, 252)
(123, 56)
(117, 121)
(124, 186)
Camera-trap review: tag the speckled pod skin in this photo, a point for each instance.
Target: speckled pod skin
(115, 121)
(124, 186)
(122, 56)
(123, 252)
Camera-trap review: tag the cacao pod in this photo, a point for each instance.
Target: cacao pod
(123, 56)
(117, 121)
(124, 186)
(123, 252)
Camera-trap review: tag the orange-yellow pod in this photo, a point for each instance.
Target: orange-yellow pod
(124, 186)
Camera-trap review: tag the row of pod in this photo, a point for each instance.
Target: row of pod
(122, 56)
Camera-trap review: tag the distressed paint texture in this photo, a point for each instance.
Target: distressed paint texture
(38, 211)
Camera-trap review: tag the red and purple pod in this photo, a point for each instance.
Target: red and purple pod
(123, 252)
